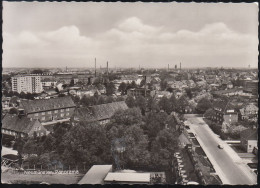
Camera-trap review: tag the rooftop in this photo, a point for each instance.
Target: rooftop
(128, 177)
(96, 174)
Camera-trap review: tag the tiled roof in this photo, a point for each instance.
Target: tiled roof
(249, 134)
(106, 111)
(32, 106)
(18, 124)
(84, 114)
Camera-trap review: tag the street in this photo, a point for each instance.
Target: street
(225, 161)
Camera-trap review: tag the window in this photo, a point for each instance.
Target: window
(36, 114)
(39, 128)
(43, 113)
(49, 112)
(62, 110)
(67, 114)
(61, 115)
(249, 146)
(56, 111)
(43, 118)
(67, 109)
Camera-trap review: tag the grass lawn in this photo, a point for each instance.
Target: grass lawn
(8, 177)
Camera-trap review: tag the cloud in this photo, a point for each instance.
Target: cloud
(129, 43)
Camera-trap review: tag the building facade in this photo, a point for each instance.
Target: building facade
(14, 125)
(27, 84)
(46, 110)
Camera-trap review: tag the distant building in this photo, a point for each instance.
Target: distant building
(224, 112)
(249, 139)
(138, 92)
(27, 84)
(15, 125)
(48, 109)
(48, 83)
(251, 86)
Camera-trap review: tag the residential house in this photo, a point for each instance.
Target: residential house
(48, 83)
(160, 94)
(138, 92)
(249, 139)
(5, 102)
(46, 110)
(15, 125)
(249, 112)
(224, 112)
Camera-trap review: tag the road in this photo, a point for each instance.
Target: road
(226, 162)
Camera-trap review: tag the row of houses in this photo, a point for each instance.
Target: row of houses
(34, 115)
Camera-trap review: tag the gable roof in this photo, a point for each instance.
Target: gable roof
(18, 124)
(83, 114)
(106, 111)
(249, 134)
(32, 106)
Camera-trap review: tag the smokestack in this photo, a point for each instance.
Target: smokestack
(95, 68)
(107, 67)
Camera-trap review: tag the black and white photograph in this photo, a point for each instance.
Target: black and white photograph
(129, 93)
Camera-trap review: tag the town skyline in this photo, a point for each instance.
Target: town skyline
(198, 35)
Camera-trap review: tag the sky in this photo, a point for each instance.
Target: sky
(152, 35)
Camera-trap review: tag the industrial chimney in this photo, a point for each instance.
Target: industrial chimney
(180, 65)
(95, 68)
(107, 67)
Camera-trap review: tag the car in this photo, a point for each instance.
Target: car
(220, 146)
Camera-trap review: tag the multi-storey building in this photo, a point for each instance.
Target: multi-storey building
(46, 110)
(27, 84)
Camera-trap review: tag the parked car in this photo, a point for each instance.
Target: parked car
(220, 146)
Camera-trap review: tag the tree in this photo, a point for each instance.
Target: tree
(203, 105)
(209, 113)
(110, 99)
(141, 103)
(83, 144)
(128, 117)
(182, 104)
(88, 101)
(152, 104)
(173, 102)
(76, 99)
(188, 92)
(71, 82)
(133, 84)
(13, 111)
(163, 148)
(165, 105)
(37, 71)
(110, 88)
(122, 88)
(101, 100)
(163, 84)
(130, 101)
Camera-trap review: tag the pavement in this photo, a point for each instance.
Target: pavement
(228, 165)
